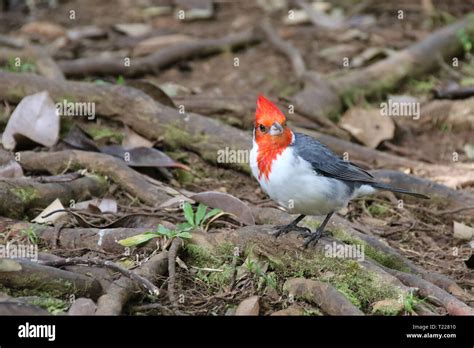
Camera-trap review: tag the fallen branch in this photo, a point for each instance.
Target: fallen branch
(159, 60)
(143, 282)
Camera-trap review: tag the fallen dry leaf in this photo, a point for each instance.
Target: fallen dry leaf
(35, 118)
(142, 157)
(227, 203)
(368, 126)
(462, 231)
(132, 139)
(56, 205)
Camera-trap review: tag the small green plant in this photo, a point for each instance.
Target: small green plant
(465, 40)
(120, 80)
(411, 301)
(194, 220)
(31, 234)
(198, 219)
(13, 66)
(267, 279)
(161, 231)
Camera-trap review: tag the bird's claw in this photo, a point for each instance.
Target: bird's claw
(288, 228)
(313, 238)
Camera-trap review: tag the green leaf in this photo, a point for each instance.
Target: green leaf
(185, 235)
(120, 80)
(163, 230)
(137, 240)
(211, 214)
(183, 227)
(188, 213)
(200, 212)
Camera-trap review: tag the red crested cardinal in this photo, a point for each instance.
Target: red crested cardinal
(302, 175)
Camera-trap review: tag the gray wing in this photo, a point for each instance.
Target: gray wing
(326, 163)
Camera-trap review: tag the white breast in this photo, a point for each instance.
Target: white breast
(294, 185)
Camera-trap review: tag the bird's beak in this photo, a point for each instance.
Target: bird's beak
(276, 129)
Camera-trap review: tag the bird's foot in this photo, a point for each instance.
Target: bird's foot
(288, 228)
(313, 238)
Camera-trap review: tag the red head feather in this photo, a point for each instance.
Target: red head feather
(267, 112)
(269, 146)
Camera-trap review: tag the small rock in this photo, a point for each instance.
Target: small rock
(248, 306)
(82, 306)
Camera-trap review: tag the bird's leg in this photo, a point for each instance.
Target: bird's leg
(293, 226)
(314, 237)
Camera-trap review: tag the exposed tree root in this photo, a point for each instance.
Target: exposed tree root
(20, 195)
(384, 75)
(121, 290)
(427, 289)
(115, 169)
(31, 275)
(143, 282)
(159, 60)
(324, 295)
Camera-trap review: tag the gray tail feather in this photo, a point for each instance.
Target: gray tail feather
(381, 186)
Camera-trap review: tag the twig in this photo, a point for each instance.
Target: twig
(233, 278)
(143, 282)
(173, 251)
(286, 48)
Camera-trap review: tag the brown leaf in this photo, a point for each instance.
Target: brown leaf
(153, 90)
(56, 205)
(132, 139)
(462, 232)
(142, 157)
(368, 126)
(227, 203)
(36, 119)
(77, 138)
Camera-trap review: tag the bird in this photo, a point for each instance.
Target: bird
(304, 176)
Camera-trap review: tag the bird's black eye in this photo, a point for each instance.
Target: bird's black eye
(262, 128)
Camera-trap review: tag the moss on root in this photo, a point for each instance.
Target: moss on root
(359, 285)
(220, 258)
(25, 194)
(390, 261)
